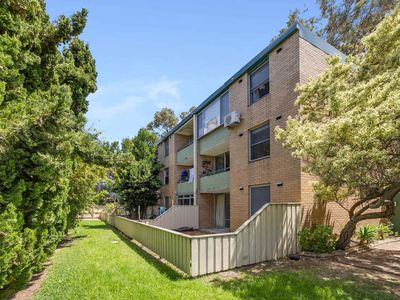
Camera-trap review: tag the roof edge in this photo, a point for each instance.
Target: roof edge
(304, 33)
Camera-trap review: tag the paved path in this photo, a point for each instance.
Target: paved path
(382, 257)
(390, 245)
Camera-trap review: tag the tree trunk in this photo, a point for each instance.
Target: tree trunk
(345, 235)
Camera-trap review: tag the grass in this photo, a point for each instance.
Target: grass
(102, 264)
(301, 285)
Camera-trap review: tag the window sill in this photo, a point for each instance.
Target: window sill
(258, 159)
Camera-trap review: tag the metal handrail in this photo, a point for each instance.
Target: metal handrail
(215, 172)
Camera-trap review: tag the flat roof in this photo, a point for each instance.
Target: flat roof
(304, 33)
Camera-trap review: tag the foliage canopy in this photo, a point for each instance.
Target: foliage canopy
(348, 128)
(46, 74)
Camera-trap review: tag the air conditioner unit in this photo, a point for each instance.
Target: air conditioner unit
(232, 119)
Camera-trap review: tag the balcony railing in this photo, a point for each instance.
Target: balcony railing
(210, 173)
(184, 188)
(185, 155)
(215, 182)
(214, 143)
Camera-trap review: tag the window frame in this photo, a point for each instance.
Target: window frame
(200, 116)
(249, 92)
(226, 162)
(183, 197)
(250, 145)
(166, 176)
(256, 186)
(166, 147)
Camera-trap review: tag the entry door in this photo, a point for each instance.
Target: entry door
(259, 196)
(220, 210)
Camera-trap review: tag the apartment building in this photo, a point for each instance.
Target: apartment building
(224, 157)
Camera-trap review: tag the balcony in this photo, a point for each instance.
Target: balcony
(215, 183)
(184, 188)
(184, 157)
(215, 142)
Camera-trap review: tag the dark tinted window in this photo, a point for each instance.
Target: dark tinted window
(259, 195)
(259, 83)
(219, 162)
(185, 199)
(259, 142)
(166, 176)
(222, 162)
(224, 106)
(166, 147)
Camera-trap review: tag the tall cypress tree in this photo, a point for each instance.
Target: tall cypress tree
(42, 100)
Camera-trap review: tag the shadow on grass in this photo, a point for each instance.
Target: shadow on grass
(69, 240)
(300, 285)
(94, 226)
(162, 268)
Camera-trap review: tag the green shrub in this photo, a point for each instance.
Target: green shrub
(110, 207)
(318, 238)
(382, 231)
(366, 234)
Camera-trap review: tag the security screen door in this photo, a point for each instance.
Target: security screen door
(259, 195)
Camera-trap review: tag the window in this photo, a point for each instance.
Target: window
(213, 115)
(166, 147)
(185, 199)
(259, 196)
(224, 104)
(166, 176)
(259, 83)
(259, 142)
(166, 202)
(222, 162)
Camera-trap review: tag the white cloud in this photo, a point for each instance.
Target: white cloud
(121, 108)
(101, 112)
(163, 87)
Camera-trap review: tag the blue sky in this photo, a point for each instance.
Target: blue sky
(154, 54)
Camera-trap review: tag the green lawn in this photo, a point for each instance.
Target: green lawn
(101, 264)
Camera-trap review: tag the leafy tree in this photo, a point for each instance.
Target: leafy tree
(138, 171)
(348, 129)
(89, 169)
(42, 100)
(84, 189)
(343, 23)
(139, 184)
(142, 146)
(183, 114)
(164, 120)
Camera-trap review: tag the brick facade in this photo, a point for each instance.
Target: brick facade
(280, 166)
(293, 61)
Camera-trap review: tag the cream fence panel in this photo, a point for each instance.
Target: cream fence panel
(177, 216)
(171, 245)
(269, 234)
